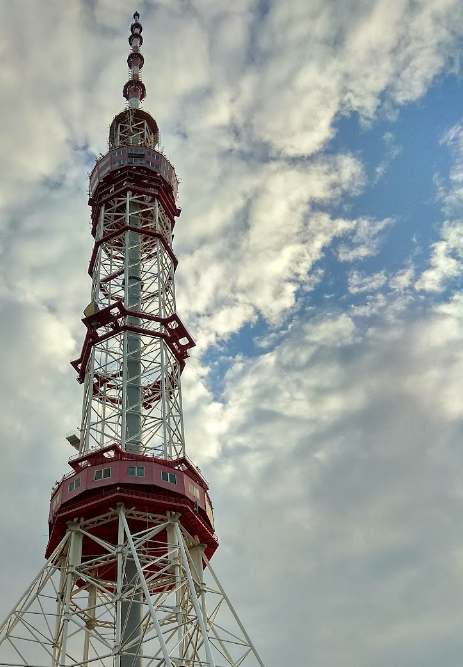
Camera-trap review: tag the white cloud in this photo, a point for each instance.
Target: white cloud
(402, 279)
(356, 53)
(366, 242)
(392, 151)
(362, 282)
(352, 443)
(446, 259)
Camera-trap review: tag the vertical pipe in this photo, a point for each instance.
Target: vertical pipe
(148, 600)
(131, 616)
(87, 405)
(128, 612)
(167, 450)
(133, 402)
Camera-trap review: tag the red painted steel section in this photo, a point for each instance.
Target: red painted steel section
(144, 231)
(112, 317)
(149, 493)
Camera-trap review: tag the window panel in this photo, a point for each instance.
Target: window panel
(168, 477)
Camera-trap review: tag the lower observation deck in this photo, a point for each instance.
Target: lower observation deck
(116, 158)
(103, 478)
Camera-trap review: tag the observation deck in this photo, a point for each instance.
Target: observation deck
(104, 477)
(123, 156)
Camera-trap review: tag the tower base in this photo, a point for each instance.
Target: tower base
(165, 607)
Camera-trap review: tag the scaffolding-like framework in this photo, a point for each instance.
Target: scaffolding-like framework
(136, 345)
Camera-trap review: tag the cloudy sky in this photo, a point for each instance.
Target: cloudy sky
(320, 149)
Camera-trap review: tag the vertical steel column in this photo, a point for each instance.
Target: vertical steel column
(174, 558)
(75, 555)
(133, 399)
(194, 599)
(161, 312)
(131, 612)
(128, 618)
(148, 600)
(59, 606)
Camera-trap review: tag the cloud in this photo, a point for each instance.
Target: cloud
(361, 282)
(392, 151)
(446, 259)
(402, 279)
(349, 444)
(451, 192)
(355, 54)
(366, 241)
(268, 248)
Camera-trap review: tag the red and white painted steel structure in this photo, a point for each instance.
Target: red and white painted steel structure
(128, 580)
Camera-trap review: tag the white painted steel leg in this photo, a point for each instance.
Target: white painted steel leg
(119, 573)
(194, 598)
(75, 553)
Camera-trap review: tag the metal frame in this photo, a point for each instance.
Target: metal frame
(132, 392)
(73, 615)
(133, 128)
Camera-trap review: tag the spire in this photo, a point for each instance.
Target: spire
(134, 90)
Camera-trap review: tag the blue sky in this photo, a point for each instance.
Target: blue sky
(320, 150)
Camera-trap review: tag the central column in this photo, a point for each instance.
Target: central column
(131, 610)
(133, 399)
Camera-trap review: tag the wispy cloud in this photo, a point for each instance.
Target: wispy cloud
(363, 282)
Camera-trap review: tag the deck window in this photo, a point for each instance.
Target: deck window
(193, 490)
(74, 484)
(168, 477)
(136, 471)
(103, 473)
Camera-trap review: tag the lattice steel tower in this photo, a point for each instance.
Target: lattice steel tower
(128, 582)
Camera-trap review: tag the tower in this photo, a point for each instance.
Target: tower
(128, 580)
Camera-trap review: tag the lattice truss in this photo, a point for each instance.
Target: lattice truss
(132, 392)
(133, 129)
(115, 595)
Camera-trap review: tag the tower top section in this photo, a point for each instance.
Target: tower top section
(134, 126)
(134, 90)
